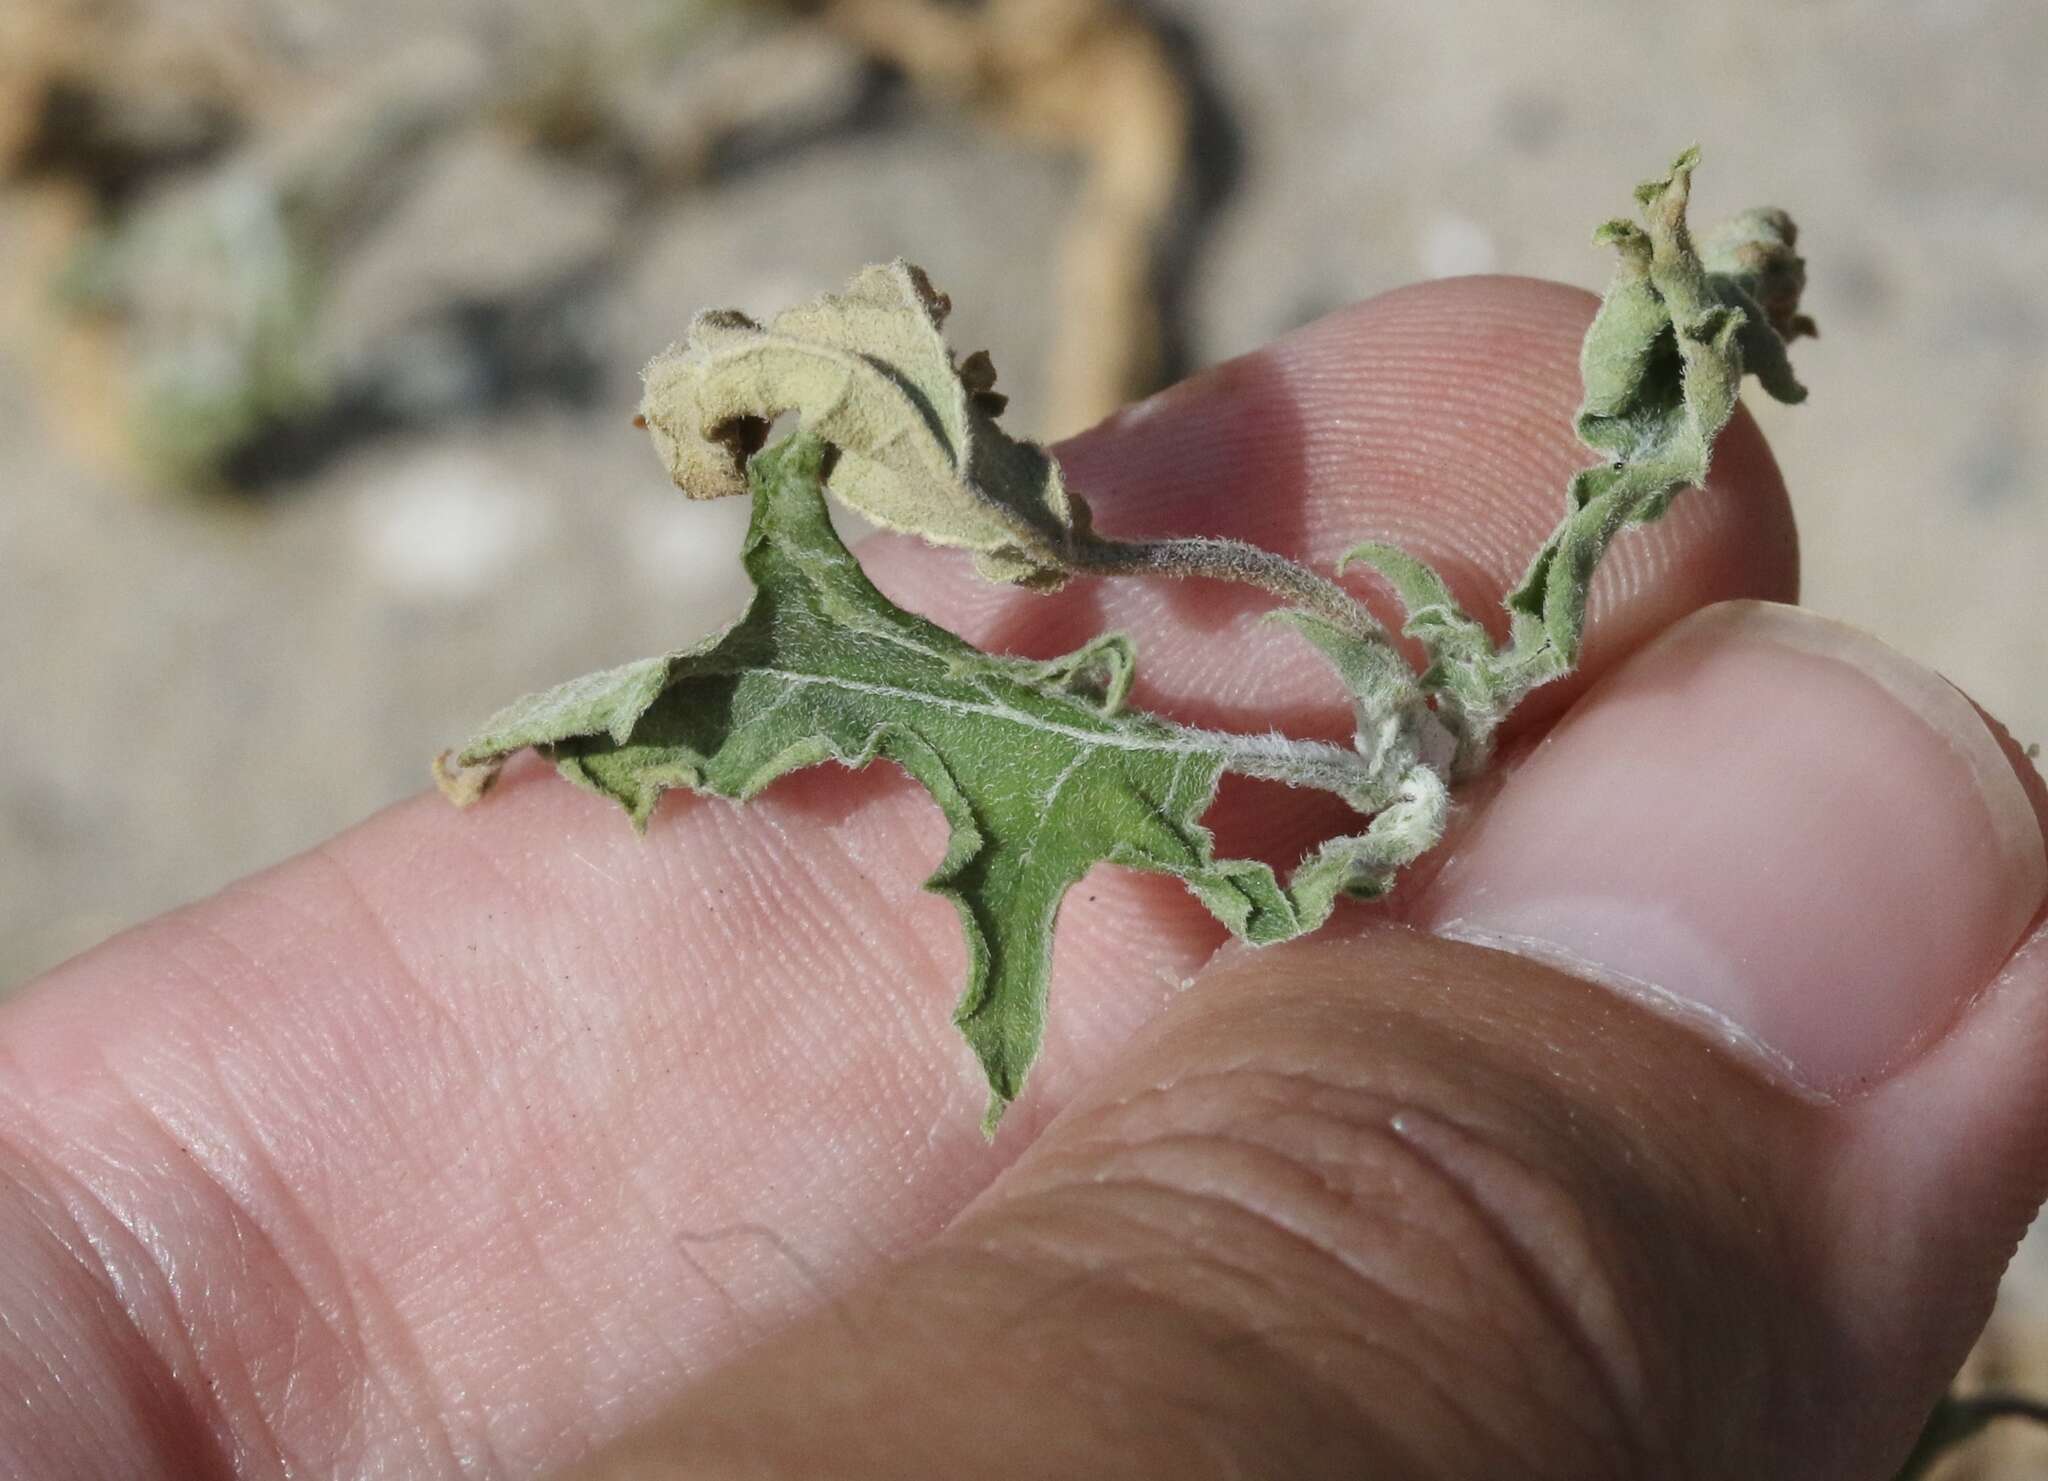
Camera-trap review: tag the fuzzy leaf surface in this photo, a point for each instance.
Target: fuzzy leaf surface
(868, 370)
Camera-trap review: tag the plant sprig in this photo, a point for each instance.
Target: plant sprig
(1039, 768)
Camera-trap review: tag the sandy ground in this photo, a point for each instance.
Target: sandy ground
(194, 689)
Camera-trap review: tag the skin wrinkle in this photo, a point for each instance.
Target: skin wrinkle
(1403, 1350)
(793, 871)
(139, 1270)
(811, 1278)
(1403, 1212)
(1612, 1357)
(559, 1296)
(416, 991)
(1275, 1340)
(90, 1260)
(541, 1193)
(262, 1227)
(1184, 1304)
(686, 1249)
(402, 1371)
(788, 846)
(804, 905)
(829, 896)
(387, 1363)
(1480, 1417)
(1755, 1261)
(370, 1310)
(1296, 1231)
(308, 1073)
(1127, 1273)
(1107, 1148)
(1396, 1215)
(1218, 1427)
(630, 1173)
(134, 1291)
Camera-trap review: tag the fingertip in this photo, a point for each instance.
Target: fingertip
(1777, 821)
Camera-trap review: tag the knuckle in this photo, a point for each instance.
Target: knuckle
(89, 1380)
(199, 1297)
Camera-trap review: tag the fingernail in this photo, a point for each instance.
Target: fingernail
(1774, 824)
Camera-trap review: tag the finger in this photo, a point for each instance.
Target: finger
(1400, 1205)
(500, 1122)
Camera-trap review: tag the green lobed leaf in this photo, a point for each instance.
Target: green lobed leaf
(1038, 770)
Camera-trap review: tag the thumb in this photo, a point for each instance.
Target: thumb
(1405, 1205)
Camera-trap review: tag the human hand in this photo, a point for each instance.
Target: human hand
(472, 1144)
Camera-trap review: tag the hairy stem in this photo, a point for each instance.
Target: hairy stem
(1228, 560)
(1303, 763)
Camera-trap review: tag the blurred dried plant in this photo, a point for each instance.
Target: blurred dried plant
(1093, 78)
(196, 191)
(99, 101)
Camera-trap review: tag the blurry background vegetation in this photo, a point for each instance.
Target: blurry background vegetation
(320, 319)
